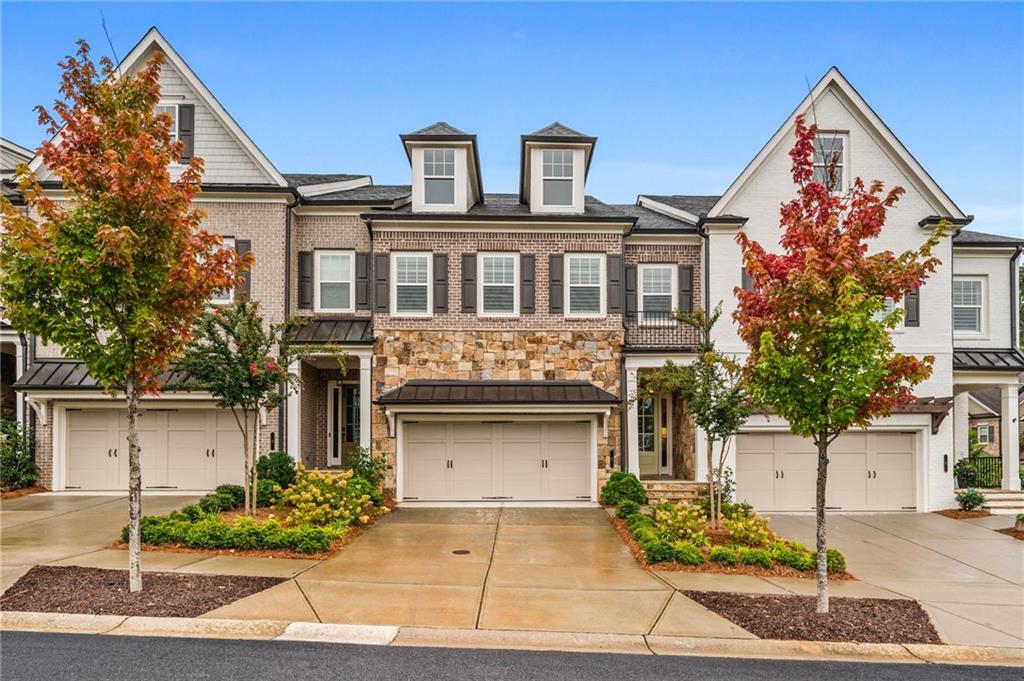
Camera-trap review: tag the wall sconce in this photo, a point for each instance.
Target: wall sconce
(664, 432)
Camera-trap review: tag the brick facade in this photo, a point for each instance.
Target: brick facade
(325, 232)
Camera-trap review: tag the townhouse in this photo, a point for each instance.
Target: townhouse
(493, 340)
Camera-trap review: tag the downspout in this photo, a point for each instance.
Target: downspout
(282, 415)
(1014, 300)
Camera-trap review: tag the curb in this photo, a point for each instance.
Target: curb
(581, 642)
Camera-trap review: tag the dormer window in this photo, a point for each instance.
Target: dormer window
(829, 153)
(439, 176)
(557, 177)
(172, 111)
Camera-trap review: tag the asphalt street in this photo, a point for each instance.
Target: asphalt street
(45, 657)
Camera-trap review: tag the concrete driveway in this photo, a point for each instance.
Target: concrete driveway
(969, 578)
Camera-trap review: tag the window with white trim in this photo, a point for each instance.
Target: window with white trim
(968, 304)
(499, 284)
(889, 307)
(557, 176)
(657, 295)
(986, 434)
(830, 152)
(411, 296)
(227, 296)
(439, 176)
(585, 291)
(334, 272)
(172, 111)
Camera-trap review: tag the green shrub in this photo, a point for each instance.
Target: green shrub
(759, 557)
(365, 465)
(723, 555)
(622, 486)
(217, 502)
(970, 499)
(627, 508)
(793, 555)
(638, 520)
(748, 529)
(267, 493)
(360, 486)
(17, 456)
(681, 522)
(189, 512)
(210, 532)
(687, 553)
(236, 492)
(323, 498)
(277, 467)
(658, 551)
(836, 560)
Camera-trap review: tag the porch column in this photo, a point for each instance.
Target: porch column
(632, 425)
(365, 403)
(293, 424)
(1008, 434)
(961, 410)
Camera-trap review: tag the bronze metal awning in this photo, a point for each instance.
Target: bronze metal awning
(984, 359)
(347, 331)
(497, 392)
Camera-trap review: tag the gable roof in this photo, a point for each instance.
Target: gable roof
(556, 129)
(873, 124)
(556, 132)
(154, 39)
(306, 179)
(11, 155)
(690, 207)
(654, 222)
(367, 195)
(442, 131)
(968, 237)
(439, 128)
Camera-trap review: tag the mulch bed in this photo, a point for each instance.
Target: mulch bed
(793, 618)
(715, 568)
(94, 591)
(21, 492)
(1016, 534)
(957, 514)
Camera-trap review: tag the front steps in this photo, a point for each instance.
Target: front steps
(1003, 502)
(663, 489)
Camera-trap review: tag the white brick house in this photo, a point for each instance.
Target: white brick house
(493, 340)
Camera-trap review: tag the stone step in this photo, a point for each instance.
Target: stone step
(1005, 510)
(1003, 503)
(1002, 494)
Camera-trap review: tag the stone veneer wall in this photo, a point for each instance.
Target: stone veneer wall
(684, 464)
(403, 355)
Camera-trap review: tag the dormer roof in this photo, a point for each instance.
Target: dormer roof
(557, 133)
(445, 132)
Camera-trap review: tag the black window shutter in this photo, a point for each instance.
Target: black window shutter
(381, 282)
(630, 286)
(440, 282)
(556, 284)
(306, 280)
(912, 307)
(362, 281)
(527, 283)
(614, 284)
(244, 288)
(686, 288)
(469, 283)
(746, 283)
(187, 130)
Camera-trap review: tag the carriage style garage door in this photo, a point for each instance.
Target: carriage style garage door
(472, 461)
(186, 449)
(867, 472)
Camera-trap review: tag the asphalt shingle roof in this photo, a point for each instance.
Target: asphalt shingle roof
(439, 128)
(652, 221)
(305, 179)
(508, 206)
(369, 194)
(556, 129)
(698, 205)
(968, 237)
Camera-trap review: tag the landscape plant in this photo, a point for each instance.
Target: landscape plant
(622, 486)
(364, 464)
(278, 467)
(117, 271)
(814, 315)
(712, 387)
(17, 456)
(243, 362)
(970, 499)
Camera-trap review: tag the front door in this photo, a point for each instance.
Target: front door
(653, 433)
(344, 418)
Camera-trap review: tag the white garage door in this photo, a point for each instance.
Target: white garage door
(866, 472)
(186, 449)
(472, 461)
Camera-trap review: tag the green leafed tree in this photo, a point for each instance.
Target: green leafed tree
(244, 363)
(815, 317)
(117, 271)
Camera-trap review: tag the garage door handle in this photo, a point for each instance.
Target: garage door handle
(115, 453)
(213, 453)
(207, 452)
(782, 474)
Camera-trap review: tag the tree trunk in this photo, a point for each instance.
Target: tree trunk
(712, 511)
(134, 492)
(245, 457)
(255, 458)
(819, 504)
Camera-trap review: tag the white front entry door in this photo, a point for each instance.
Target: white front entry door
(868, 471)
(186, 449)
(473, 461)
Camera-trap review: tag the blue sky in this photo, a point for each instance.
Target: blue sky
(681, 95)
